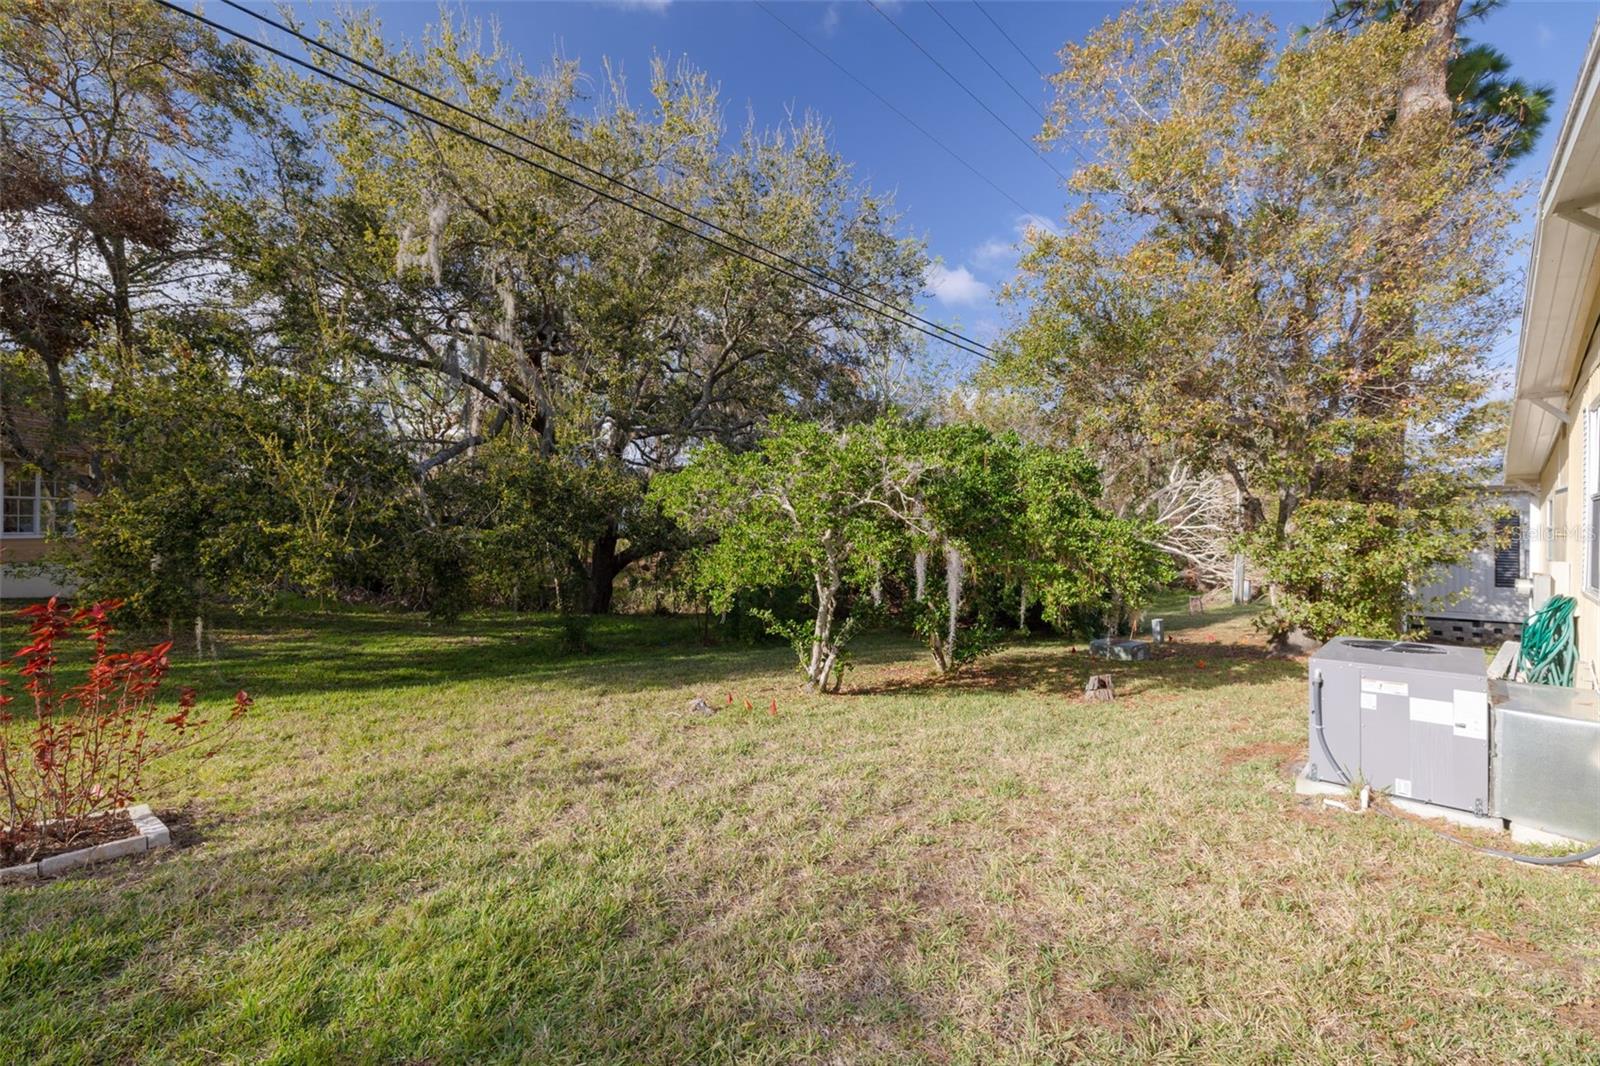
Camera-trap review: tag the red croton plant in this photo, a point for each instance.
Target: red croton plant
(85, 750)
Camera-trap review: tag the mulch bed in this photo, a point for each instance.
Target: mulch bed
(101, 830)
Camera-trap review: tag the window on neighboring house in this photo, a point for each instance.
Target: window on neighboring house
(19, 500)
(1508, 550)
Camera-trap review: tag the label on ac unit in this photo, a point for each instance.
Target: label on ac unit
(1471, 717)
(1384, 688)
(1369, 701)
(1433, 712)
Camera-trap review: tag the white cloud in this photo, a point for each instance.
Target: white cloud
(830, 19)
(1000, 252)
(654, 6)
(955, 287)
(994, 252)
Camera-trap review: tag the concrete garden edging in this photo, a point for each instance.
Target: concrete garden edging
(152, 833)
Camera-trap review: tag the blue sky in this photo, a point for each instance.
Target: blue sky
(970, 226)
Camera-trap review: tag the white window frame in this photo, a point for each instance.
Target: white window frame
(1556, 517)
(38, 510)
(1591, 497)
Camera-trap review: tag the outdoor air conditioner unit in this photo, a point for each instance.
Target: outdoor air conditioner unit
(1424, 723)
(1408, 718)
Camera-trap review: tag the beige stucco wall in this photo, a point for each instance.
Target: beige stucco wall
(1564, 469)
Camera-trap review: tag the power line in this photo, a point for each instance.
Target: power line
(974, 49)
(913, 123)
(1026, 58)
(949, 335)
(931, 6)
(965, 344)
(1029, 145)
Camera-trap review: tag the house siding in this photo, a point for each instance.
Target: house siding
(1468, 591)
(1564, 469)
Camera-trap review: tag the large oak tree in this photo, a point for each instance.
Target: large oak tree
(1273, 278)
(111, 118)
(477, 294)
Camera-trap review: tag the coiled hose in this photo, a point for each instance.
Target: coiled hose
(1549, 654)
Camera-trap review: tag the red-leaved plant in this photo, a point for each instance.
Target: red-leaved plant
(89, 744)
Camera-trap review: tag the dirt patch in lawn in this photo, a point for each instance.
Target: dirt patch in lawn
(1584, 1015)
(28, 847)
(1277, 750)
(184, 825)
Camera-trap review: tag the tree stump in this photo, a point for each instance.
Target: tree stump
(1099, 687)
(1197, 605)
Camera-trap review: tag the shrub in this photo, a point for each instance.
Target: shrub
(90, 743)
(575, 634)
(1349, 567)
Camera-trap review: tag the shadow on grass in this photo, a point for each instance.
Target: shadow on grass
(350, 651)
(340, 654)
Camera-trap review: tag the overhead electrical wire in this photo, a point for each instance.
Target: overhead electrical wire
(732, 234)
(433, 98)
(1009, 84)
(887, 311)
(1026, 58)
(985, 60)
(913, 123)
(1024, 141)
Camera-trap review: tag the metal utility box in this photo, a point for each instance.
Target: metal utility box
(1126, 650)
(1407, 717)
(1547, 758)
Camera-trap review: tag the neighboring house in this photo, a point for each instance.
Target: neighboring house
(31, 510)
(1485, 597)
(1553, 448)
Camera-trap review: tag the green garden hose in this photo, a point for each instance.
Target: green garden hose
(1549, 654)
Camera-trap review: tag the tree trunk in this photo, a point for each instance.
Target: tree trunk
(121, 300)
(603, 571)
(1377, 465)
(822, 650)
(952, 587)
(1424, 91)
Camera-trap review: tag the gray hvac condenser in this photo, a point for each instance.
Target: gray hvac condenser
(1405, 717)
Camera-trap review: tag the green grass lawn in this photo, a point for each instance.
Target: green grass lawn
(453, 844)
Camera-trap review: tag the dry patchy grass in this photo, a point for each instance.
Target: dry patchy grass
(451, 845)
